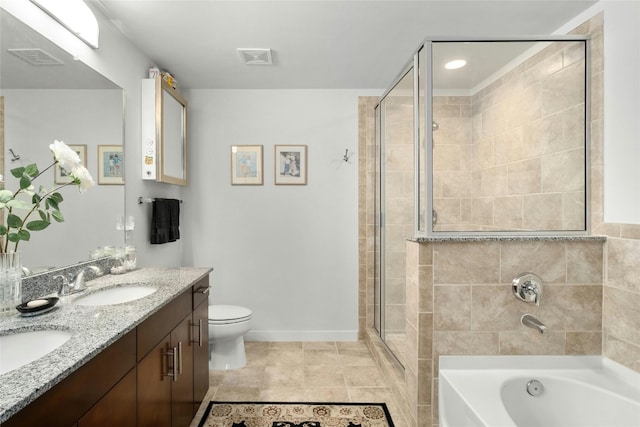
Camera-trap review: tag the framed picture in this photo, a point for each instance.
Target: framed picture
(291, 165)
(61, 175)
(246, 165)
(110, 165)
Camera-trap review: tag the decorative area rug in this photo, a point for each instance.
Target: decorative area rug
(288, 414)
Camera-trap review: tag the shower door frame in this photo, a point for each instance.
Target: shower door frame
(380, 207)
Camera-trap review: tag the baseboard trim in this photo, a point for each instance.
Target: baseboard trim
(301, 336)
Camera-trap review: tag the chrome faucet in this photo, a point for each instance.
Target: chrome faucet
(527, 287)
(77, 283)
(531, 322)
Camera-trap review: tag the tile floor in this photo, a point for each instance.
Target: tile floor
(303, 371)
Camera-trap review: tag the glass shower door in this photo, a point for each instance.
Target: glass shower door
(396, 219)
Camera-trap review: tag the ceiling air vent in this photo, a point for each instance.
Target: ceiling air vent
(35, 56)
(255, 56)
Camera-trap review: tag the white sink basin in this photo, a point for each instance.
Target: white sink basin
(116, 295)
(20, 348)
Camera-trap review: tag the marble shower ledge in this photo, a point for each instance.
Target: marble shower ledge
(93, 329)
(462, 239)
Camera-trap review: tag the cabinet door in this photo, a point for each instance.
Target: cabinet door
(154, 386)
(200, 340)
(116, 408)
(182, 387)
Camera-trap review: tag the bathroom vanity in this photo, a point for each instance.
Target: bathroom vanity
(139, 363)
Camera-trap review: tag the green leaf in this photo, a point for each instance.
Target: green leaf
(14, 221)
(50, 203)
(57, 197)
(3, 230)
(13, 237)
(5, 196)
(43, 214)
(25, 182)
(18, 172)
(19, 204)
(35, 199)
(24, 235)
(32, 170)
(57, 215)
(37, 225)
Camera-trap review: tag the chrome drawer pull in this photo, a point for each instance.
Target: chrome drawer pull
(174, 356)
(199, 326)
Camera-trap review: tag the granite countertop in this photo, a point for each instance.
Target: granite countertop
(93, 329)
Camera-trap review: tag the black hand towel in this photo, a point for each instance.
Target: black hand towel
(165, 222)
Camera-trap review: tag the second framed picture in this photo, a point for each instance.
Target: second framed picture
(246, 165)
(290, 164)
(110, 165)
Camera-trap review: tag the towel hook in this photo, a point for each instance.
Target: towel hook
(14, 156)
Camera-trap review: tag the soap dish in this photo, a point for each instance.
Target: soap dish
(47, 304)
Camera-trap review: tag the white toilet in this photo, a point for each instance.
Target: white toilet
(227, 326)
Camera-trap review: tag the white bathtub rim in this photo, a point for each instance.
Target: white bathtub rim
(594, 371)
(618, 379)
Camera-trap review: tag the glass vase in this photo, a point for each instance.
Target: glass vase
(10, 282)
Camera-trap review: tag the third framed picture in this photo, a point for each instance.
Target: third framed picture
(290, 164)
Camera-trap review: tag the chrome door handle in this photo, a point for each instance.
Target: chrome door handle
(199, 326)
(173, 354)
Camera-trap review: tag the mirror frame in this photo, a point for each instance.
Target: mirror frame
(164, 89)
(427, 90)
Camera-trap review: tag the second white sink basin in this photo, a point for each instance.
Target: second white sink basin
(116, 295)
(19, 348)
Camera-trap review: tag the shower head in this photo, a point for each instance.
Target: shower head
(434, 126)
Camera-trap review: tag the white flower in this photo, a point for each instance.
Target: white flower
(81, 174)
(65, 156)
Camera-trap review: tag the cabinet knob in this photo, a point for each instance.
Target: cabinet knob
(203, 290)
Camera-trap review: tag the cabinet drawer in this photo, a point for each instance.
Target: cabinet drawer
(156, 327)
(200, 291)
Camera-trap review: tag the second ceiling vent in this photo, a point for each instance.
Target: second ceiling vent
(255, 56)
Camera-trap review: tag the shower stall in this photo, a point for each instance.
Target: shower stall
(506, 143)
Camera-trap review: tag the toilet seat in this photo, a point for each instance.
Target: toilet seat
(226, 314)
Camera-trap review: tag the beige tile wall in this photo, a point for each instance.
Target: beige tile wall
(512, 147)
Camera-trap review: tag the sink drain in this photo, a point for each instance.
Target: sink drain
(535, 388)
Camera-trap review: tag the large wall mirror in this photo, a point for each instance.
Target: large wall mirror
(509, 139)
(172, 135)
(53, 96)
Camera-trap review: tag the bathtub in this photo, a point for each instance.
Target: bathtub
(537, 391)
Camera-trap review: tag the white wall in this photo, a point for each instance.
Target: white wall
(621, 106)
(622, 112)
(121, 62)
(290, 253)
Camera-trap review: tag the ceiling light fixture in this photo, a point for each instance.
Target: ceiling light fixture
(455, 64)
(255, 56)
(75, 16)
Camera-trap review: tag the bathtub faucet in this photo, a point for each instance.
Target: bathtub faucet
(531, 322)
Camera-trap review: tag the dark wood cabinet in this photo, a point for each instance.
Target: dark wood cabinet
(154, 386)
(156, 375)
(116, 408)
(182, 387)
